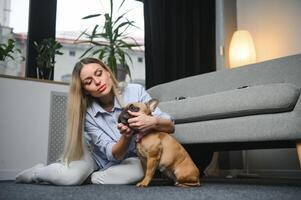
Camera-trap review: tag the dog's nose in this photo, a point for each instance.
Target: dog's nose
(123, 117)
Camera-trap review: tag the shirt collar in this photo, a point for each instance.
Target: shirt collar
(99, 110)
(116, 104)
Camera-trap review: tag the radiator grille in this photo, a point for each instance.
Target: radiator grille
(57, 125)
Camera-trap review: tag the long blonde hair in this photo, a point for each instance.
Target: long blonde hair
(78, 101)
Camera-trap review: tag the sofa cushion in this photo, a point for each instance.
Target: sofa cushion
(261, 99)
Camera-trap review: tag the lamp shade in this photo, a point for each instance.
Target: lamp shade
(242, 49)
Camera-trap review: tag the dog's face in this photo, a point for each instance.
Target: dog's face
(146, 108)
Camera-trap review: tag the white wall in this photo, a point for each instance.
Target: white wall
(24, 123)
(274, 24)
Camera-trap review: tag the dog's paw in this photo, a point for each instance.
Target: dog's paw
(142, 184)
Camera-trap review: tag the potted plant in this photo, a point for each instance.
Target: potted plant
(46, 51)
(110, 41)
(7, 51)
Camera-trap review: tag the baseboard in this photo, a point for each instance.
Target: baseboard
(8, 174)
(291, 174)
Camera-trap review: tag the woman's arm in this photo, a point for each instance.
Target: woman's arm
(146, 123)
(164, 125)
(120, 149)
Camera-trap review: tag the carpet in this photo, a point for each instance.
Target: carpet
(210, 189)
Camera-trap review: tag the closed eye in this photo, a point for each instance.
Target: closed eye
(98, 72)
(87, 81)
(134, 108)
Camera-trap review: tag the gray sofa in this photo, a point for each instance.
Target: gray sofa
(255, 106)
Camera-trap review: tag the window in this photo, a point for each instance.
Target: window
(12, 26)
(69, 25)
(72, 53)
(140, 59)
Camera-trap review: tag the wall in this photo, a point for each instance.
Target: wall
(274, 24)
(24, 114)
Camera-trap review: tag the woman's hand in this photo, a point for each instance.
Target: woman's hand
(120, 149)
(142, 122)
(125, 130)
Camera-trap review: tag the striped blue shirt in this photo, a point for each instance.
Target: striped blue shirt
(101, 131)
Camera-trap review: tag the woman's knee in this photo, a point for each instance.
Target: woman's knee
(75, 174)
(127, 172)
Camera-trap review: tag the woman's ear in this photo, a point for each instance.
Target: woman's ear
(152, 104)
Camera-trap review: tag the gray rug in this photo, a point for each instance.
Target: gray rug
(211, 189)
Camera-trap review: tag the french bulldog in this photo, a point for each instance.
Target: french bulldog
(159, 150)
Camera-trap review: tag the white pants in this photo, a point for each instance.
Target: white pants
(129, 171)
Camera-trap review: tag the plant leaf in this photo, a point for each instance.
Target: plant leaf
(121, 4)
(91, 16)
(86, 52)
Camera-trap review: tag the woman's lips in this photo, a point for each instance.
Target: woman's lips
(102, 88)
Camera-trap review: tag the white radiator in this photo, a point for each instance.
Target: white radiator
(57, 125)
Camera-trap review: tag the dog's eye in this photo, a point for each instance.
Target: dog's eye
(133, 108)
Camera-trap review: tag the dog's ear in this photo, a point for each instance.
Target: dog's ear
(152, 104)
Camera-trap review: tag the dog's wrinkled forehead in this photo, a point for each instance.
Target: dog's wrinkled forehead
(137, 107)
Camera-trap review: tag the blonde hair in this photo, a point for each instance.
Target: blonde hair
(78, 101)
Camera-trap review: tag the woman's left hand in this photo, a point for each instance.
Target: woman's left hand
(125, 130)
(142, 122)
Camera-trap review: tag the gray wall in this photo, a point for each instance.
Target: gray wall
(24, 114)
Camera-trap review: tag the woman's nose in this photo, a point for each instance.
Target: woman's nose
(97, 80)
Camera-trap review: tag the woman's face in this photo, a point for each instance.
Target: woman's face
(95, 80)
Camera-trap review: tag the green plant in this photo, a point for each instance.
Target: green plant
(46, 51)
(110, 41)
(7, 50)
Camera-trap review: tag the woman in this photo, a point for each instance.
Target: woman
(95, 142)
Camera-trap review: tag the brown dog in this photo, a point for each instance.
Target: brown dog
(159, 150)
